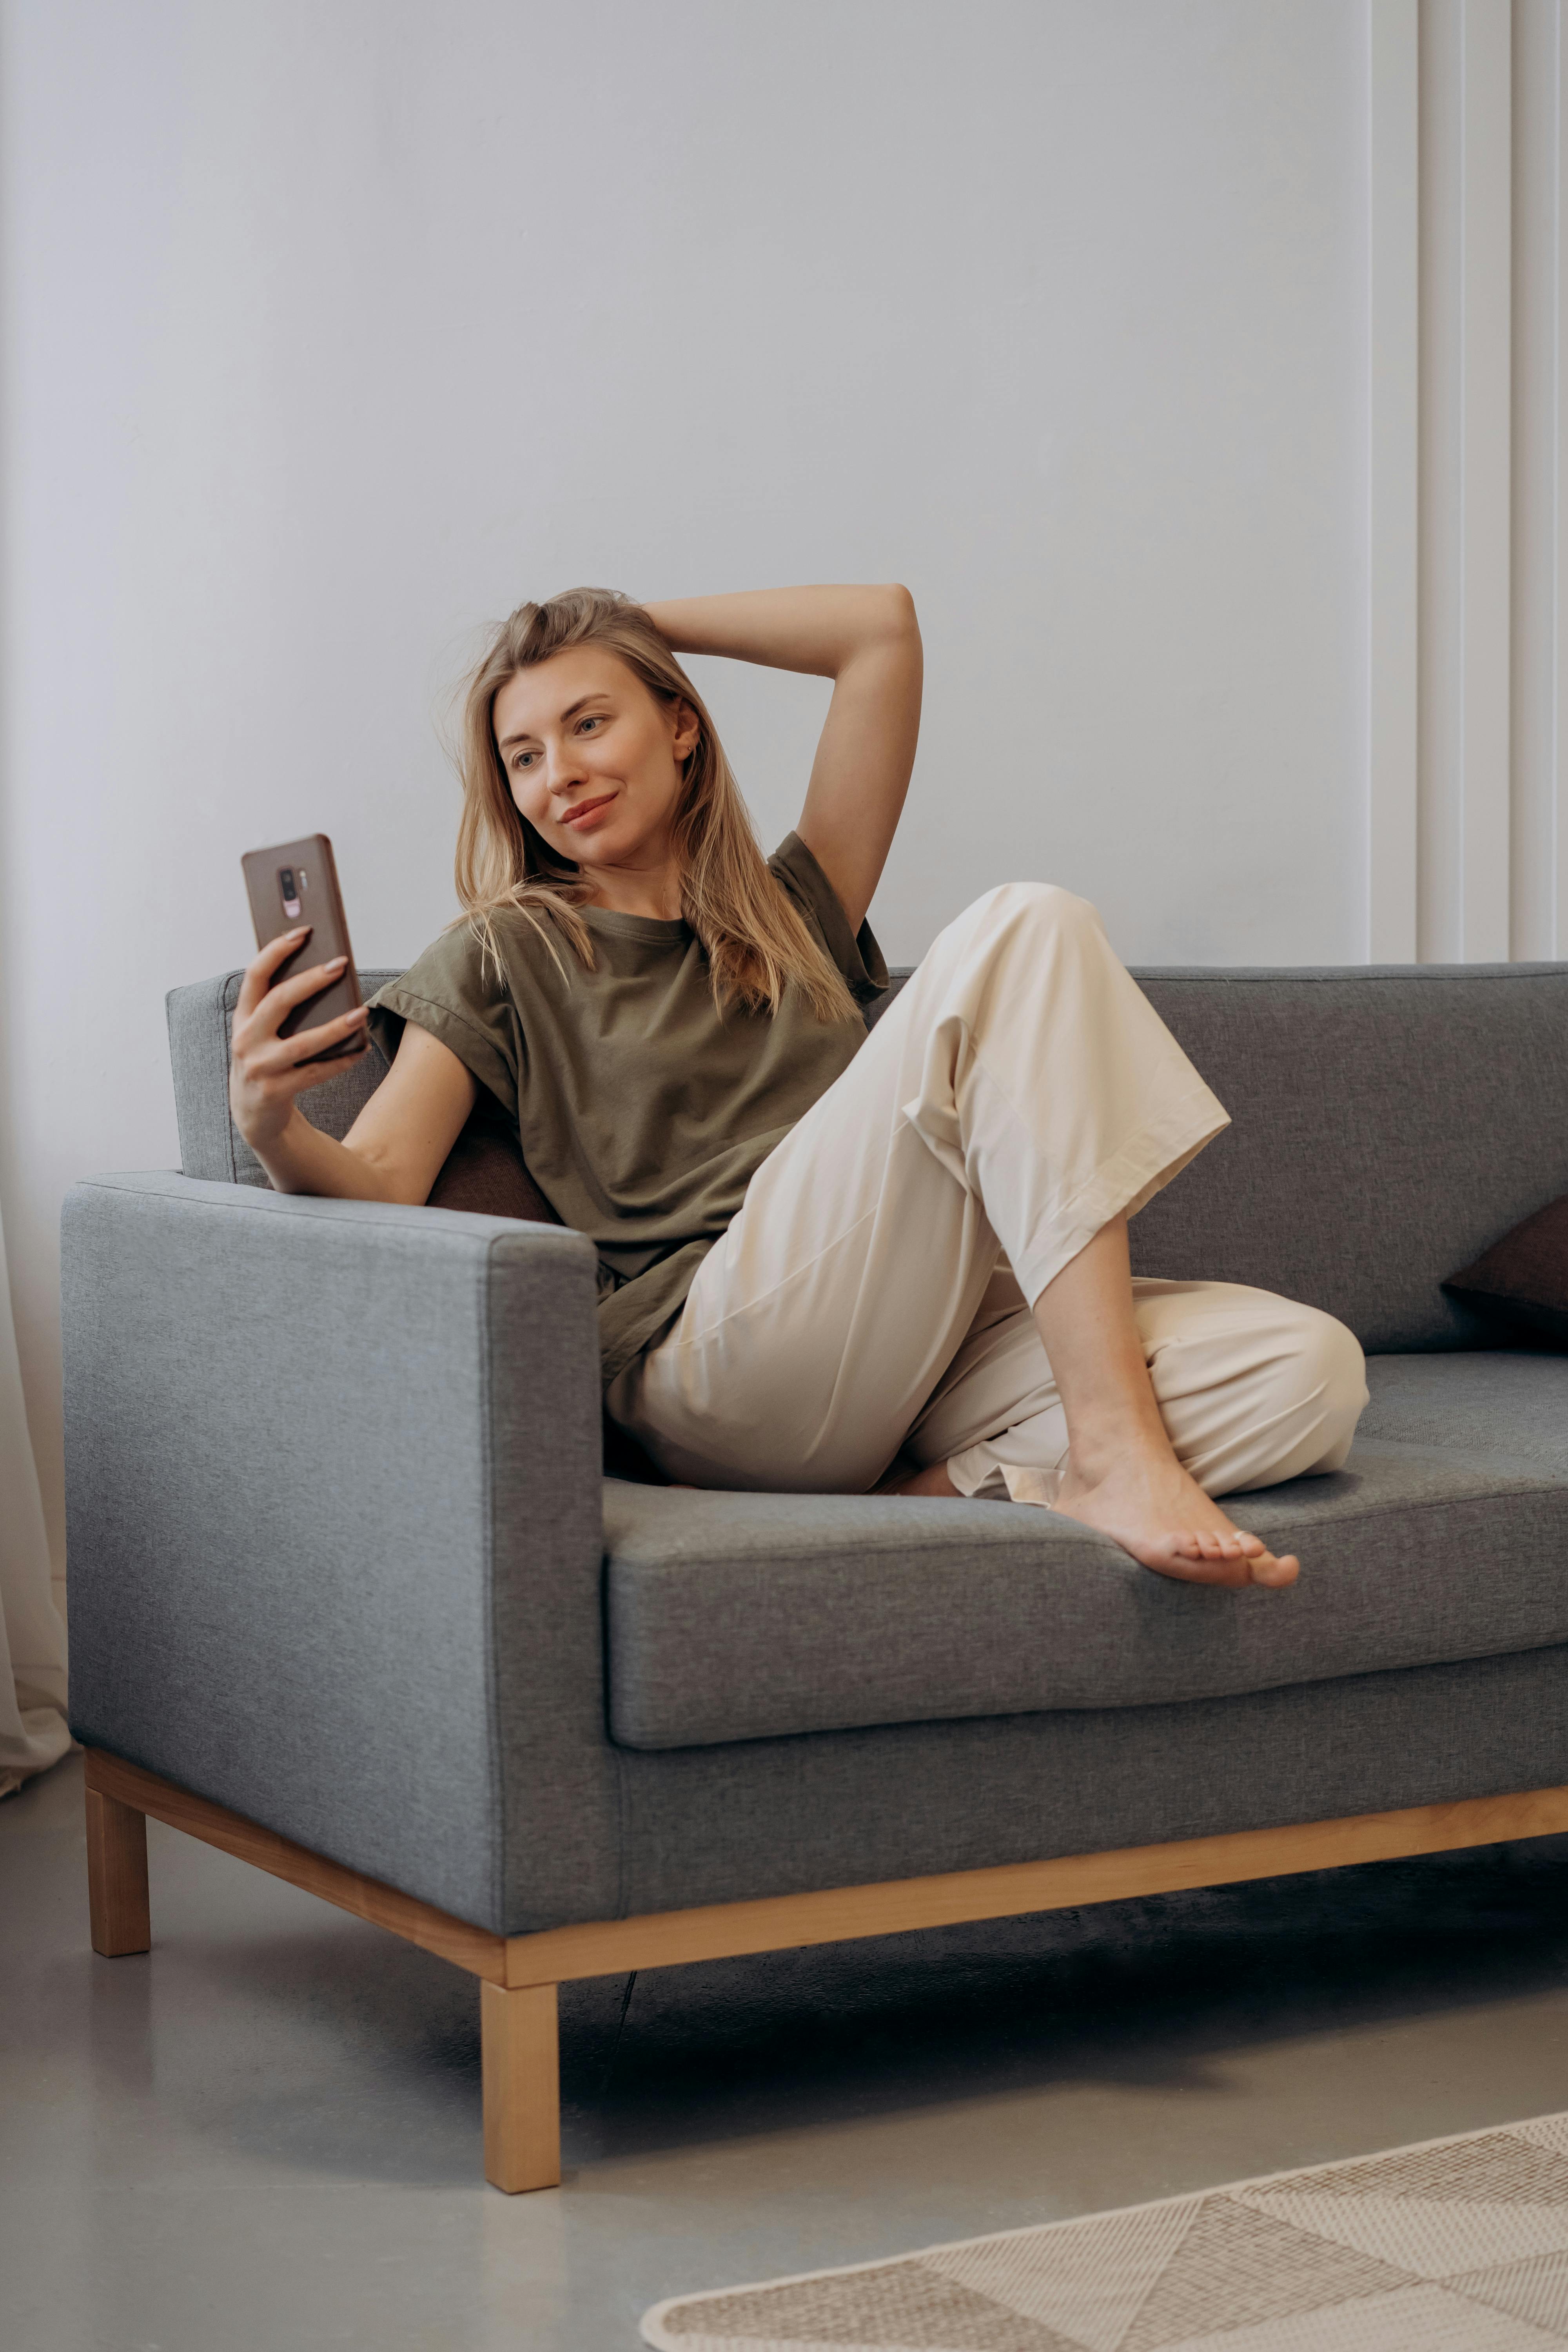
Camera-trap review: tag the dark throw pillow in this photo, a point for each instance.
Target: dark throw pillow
(485, 1170)
(1523, 1278)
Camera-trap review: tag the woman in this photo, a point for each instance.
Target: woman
(828, 1262)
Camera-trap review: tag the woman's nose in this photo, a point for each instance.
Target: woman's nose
(565, 769)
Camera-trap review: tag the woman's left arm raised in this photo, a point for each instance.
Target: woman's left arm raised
(867, 641)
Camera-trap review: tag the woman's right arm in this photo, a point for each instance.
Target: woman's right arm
(867, 641)
(397, 1146)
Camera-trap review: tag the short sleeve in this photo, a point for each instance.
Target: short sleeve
(856, 954)
(450, 992)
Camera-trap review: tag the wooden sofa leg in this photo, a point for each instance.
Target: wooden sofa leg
(117, 1877)
(521, 2060)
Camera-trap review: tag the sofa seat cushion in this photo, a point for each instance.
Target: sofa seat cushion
(753, 1616)
(1502, 1406)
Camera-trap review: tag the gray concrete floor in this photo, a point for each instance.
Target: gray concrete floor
(265, 2135)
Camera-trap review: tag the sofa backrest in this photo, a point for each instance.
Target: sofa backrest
(1388, 1124)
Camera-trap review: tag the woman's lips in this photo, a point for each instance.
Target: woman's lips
(587, 811)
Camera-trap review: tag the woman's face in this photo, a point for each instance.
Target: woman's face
(592, 758)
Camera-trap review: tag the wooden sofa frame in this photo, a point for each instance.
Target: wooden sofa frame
(519, 1974)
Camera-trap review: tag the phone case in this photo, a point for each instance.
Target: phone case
(295, 883)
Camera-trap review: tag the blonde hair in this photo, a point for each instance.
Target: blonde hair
(756, 940)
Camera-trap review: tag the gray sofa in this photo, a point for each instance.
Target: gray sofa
(350, 1595)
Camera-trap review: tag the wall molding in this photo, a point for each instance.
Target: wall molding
(1393, 420)
(1538, 831)
(1467, 793)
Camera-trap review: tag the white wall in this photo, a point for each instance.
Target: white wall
(334, 327)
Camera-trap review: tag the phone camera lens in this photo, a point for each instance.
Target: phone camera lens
(287, 885)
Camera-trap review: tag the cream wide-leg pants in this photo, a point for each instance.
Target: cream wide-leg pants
(873, 1295)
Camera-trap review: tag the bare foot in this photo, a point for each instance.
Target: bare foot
(1153, 1510)
(1148, 1504)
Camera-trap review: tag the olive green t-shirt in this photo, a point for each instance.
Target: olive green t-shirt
(643, 1113)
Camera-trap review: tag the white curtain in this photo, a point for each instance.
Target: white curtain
(33, 1732)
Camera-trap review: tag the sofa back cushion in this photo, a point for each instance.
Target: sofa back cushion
(1388, 1125)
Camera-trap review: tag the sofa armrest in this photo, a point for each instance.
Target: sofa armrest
(334, 1496)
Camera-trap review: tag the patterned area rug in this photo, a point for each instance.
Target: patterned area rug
(1460, 2246)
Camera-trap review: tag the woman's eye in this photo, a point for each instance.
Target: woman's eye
(592, 721)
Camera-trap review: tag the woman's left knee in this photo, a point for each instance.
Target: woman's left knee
(1030, 903)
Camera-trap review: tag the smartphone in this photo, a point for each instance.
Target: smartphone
(298, 883)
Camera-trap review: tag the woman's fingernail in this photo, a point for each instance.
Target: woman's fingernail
(336, 964)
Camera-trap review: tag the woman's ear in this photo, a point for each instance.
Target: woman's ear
(688, 730)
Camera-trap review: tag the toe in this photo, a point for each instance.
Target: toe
(1196, 1558)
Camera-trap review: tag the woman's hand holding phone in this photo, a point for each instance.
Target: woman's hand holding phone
(395, 1147)
(265, 1071)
